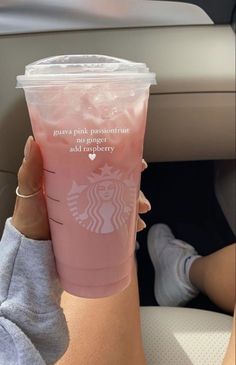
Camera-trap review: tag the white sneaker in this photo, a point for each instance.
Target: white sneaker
(172, 260)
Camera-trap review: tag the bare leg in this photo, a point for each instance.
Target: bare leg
(104, 331)
(214, 275)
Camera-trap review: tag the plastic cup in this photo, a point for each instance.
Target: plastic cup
(88, 115)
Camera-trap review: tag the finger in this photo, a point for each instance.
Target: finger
(30, 174)
(144, 164)
(140, 224)
(30, 215)
(144, 204)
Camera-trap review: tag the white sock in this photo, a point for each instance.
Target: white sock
(187, 264)
(172, 260)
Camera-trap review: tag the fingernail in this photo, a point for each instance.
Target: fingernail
(145, 201)
(144, 164)
(141, 224)
(28, 147)
(148, 204)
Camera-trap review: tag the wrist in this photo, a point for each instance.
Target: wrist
(23, 232)
(30, 217)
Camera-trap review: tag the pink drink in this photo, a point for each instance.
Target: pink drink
(91, 137)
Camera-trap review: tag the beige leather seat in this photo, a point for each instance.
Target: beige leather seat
(183, 336)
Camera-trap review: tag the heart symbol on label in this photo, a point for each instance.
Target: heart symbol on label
(92, 156)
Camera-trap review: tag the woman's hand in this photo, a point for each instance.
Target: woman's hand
(30, 215)
(144, 204)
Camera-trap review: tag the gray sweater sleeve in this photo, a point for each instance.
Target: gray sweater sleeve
(33, 329)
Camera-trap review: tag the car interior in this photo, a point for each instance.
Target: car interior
(189, 141)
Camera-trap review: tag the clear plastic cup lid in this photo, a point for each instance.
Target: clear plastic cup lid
(83, 68)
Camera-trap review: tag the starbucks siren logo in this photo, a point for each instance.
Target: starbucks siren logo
(105, 203)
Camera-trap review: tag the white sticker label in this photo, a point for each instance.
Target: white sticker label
(90, 141)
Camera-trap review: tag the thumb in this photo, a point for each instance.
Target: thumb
(30, 175)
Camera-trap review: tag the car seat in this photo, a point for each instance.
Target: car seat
(184, 336)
